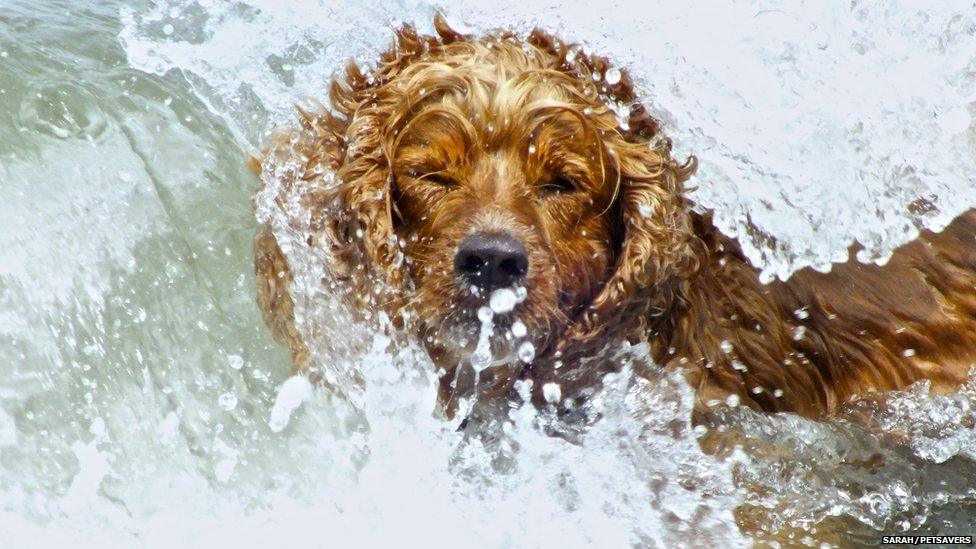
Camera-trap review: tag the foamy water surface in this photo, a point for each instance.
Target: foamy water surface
(143, 403)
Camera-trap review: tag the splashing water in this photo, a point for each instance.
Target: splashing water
(143, 402)
(291, 395)
(728, 80)
(503, 300)
(481, 358)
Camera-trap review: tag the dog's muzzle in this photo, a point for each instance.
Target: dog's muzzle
(490, 261)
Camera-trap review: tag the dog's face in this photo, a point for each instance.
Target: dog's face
(500, 174)
(502, 198)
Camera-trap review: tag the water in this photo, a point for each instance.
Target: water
(142, 401)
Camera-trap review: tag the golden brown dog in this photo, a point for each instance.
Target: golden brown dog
(464, 166)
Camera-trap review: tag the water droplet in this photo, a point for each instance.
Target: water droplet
(526, 352)
(502, 301)
(613, 76)
(726, 346)
(521, 293)
(235, 361)
(908, 353)
(167, 29)
(485, 314)
(518, 329)
(552, 393)
(802, 313)
(227, 401)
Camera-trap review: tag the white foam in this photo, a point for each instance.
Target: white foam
(8, 430)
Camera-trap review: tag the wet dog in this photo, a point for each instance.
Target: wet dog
(510, 202)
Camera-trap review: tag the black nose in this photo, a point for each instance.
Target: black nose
(491, 261)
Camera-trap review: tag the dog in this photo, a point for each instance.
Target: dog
(468, 170)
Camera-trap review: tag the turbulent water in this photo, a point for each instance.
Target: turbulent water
(143, 403)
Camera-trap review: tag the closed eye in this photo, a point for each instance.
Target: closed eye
(559, 184)
(440, 179)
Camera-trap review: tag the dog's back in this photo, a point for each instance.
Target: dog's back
(809, 344)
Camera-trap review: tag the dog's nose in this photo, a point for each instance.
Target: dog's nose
(491, 261)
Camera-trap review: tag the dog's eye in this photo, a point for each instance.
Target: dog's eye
(559, 184)
(440, 179)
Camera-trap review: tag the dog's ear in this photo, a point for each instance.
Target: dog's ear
(654, 242)
(362, 224)
(372, 110)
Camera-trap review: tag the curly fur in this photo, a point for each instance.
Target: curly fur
(432, 145)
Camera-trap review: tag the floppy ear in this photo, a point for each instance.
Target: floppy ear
(357, 209)
(362, 229)
(655, 237)
(331, 182)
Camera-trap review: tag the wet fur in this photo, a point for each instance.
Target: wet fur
(648, 267)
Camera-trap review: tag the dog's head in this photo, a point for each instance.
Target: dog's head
(512, 175)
